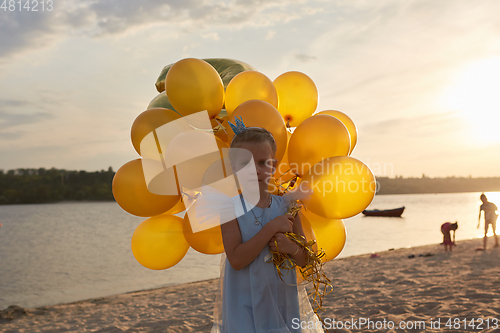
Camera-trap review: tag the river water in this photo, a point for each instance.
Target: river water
(64, 252)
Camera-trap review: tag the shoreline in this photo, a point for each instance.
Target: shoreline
(200, 281)
(390, 287)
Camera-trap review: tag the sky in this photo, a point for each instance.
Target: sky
(419, 78)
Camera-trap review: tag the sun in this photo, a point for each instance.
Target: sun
(476, 95)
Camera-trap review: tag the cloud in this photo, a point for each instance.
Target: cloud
(11, 135)
(428, 125)
(212, 35)
(305, 57)
(12, 119)
(22, 31)
(11, 103)
(401, 36)
(270, 34)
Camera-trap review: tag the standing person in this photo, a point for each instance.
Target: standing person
(490, 217)
(253, 298)
(446, 229)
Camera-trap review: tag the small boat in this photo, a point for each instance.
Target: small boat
(396, 212)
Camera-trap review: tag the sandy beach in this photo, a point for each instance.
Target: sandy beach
(405, 290)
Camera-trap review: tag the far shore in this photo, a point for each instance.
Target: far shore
(379, 193)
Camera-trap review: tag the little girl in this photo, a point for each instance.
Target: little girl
(253, 297)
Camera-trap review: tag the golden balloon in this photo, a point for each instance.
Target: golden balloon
(342, 187)
(297, 95)
(247, 86)
(159, 243)
(208, 241)
(351, 127)
(178, 207)
(283, 174)
(148, 121)
(315, 139)
(131, 192)
(256, 113)
(330, 233)
(192, 85)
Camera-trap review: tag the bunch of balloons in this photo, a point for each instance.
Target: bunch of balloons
(312, 148)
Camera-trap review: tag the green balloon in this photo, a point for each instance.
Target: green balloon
(161, 101)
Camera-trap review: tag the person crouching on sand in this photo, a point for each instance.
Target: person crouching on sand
(446, 229)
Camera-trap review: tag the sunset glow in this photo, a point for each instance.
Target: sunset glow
(475, 95)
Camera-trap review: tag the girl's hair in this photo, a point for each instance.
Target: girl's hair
(454, 226)
(254, 135)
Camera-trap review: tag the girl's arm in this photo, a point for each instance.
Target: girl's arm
(241, 254)
(287, 246)
(300, 257)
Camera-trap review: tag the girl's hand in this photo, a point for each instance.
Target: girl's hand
(283, 223)
(285, 245)
(303, 192)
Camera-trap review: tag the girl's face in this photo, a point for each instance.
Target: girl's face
(265, 163)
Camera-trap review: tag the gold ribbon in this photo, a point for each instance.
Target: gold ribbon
(312, 272)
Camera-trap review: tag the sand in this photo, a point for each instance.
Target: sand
(371, 295)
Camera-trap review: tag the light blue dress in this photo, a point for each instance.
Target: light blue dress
(254, 299)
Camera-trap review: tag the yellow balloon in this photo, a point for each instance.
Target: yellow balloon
(131, 192)
(308, 231)
(193, 85)
(148, 121)
(227, 69)
(247, 86)
(315, 139)
(342, 187)
(192, 173)
(256, 113)
(179, 207)
(208, 241)
(297, 95)
(284, 167)
(309, 234)
(330, 233)
(159, 243)
(351, 127)
(283, 173)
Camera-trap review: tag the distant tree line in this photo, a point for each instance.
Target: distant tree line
(51, 185)
(400, 185)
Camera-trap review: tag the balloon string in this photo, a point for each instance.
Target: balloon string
(202, 129)
(223, 164)
(159, 150)
(312, 272)
(176, 181)
(158, 146)
(220, 125)
(286, 185)
(285, 173)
